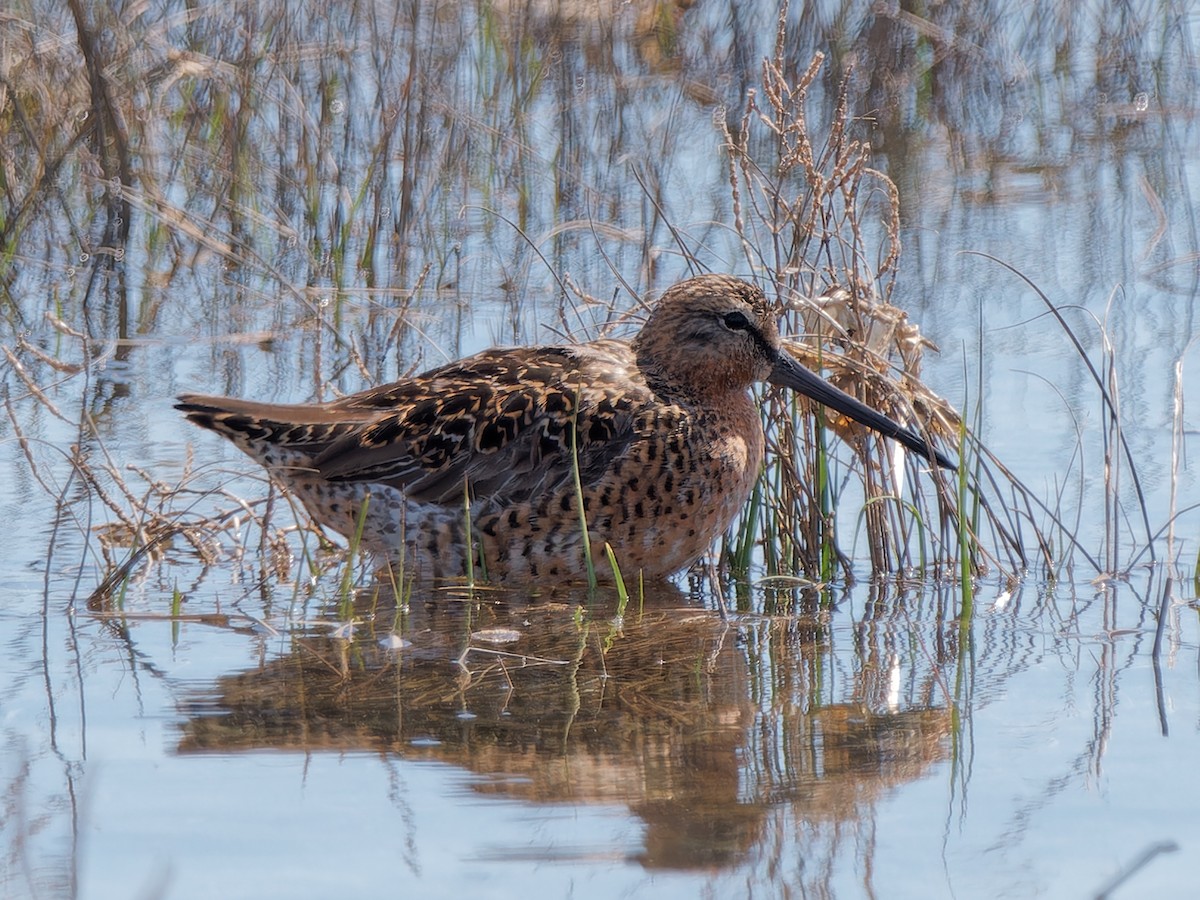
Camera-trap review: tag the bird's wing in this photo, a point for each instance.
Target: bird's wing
(500, 423)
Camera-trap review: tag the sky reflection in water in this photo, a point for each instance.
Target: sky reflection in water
(857, 742)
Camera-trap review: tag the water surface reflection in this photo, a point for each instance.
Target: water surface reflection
(662, 712)
(289, 201)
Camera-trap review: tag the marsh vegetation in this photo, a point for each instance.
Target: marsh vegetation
(290, 203)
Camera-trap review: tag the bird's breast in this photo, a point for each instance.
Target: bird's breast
(678, 489)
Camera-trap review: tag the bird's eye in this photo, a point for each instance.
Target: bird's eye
(736, 321)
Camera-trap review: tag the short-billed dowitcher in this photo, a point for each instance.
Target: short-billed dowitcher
(669, 443)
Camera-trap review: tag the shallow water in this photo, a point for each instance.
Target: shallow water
(862, 740)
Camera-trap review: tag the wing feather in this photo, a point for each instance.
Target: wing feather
(500, 421)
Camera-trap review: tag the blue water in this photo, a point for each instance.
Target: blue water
(869, 746)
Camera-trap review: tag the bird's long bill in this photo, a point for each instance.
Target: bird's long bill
(791, 374)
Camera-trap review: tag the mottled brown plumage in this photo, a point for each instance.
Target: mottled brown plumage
(669, 443)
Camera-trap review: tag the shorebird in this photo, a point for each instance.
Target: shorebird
(660, 433)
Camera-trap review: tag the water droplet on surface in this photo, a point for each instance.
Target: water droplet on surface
(1141, 101)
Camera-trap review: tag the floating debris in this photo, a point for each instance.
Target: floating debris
(497, 635)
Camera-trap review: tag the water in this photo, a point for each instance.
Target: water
(863, 741)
